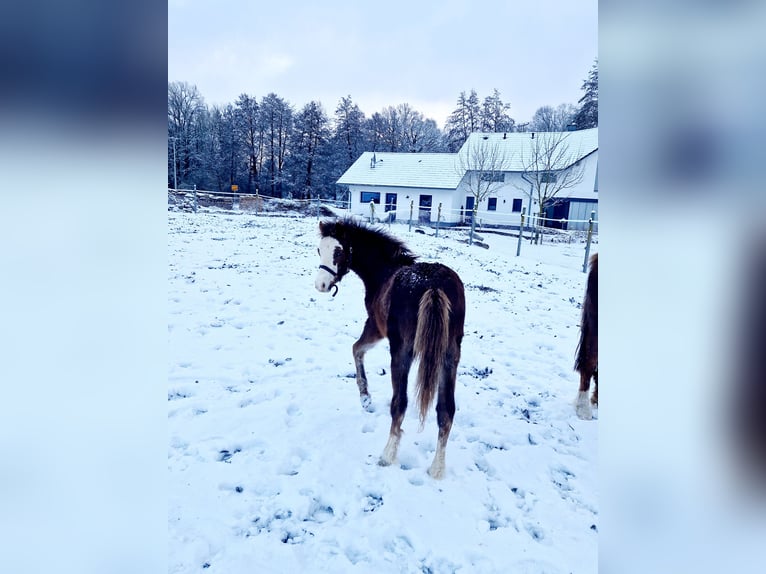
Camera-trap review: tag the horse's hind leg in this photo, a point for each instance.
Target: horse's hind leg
(445, 413)
(370, 335)
(401, 360)
(594, 398)
(582, 407)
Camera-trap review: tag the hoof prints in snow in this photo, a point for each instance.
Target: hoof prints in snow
(299, 453)
(477, 373)
(289, 527)
(373, 502)
(225, 455)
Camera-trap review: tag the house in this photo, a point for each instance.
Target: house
(505, 170)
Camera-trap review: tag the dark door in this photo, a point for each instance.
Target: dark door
(391, 206)
(557, 212)
(469, 208)
(424, 215)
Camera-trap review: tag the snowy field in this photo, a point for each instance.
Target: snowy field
(273, 462)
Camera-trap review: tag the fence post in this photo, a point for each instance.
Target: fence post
(521, 227)
(587, 243)
(317, 202)
(412, 204)
(257, 202)
(195, 198)
(438, 218)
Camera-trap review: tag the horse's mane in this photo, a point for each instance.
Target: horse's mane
(376, 240)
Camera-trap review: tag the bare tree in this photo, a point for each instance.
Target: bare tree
(277, 121)
(549, 166)
(186, 109)
(482, 161)
(550, 119)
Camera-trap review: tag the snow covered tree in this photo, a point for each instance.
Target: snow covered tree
(462, 122)
(550, 119)
(185, 112)
(587, 115)
(349, 132)
(222, 158)
(308, 148)
(276, 116)
(494, 114)
(250, 134)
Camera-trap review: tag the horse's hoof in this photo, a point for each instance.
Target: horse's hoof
(383, 462)
(436, 474)
(367, 403)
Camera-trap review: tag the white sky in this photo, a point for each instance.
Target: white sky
(422, 52)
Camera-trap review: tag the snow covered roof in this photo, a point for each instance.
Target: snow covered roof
(517, 149)
(432, 170)
(442, 170)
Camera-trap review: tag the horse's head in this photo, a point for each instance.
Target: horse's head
(334, 260)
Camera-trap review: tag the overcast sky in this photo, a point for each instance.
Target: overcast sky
(420, 52)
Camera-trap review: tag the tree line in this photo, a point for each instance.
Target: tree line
(269, 146)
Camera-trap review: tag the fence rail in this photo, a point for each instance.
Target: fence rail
(193, 199)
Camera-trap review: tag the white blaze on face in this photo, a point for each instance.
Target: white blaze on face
(325, 280)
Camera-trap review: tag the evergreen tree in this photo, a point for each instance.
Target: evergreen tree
(494, 114)
(587, 115)
(462, 122)
(250, 134)
(349, 134)
(308, 156)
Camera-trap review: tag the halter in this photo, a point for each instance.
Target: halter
(335, 274)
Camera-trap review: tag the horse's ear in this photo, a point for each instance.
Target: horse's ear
(324, 228)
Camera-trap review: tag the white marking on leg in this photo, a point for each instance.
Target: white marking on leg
(582, 406)
(389, 453)
(438, 465)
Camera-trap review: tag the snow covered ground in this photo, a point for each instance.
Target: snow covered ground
(273, 462)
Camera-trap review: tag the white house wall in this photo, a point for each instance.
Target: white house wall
(404, 196)
(515, 187)
(454, 201)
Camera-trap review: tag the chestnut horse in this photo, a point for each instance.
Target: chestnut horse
(587, 349)
(419, 307)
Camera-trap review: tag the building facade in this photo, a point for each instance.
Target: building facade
(501, 175)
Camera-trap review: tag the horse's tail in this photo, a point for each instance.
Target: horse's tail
(431, 342)
(587, 349)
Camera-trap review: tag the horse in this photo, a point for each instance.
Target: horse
(586, 361)
(418, 306)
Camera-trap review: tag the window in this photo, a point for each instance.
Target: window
(491, 204)
(516, 205)
(368, 196)
(547, 177)
(492, 176)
